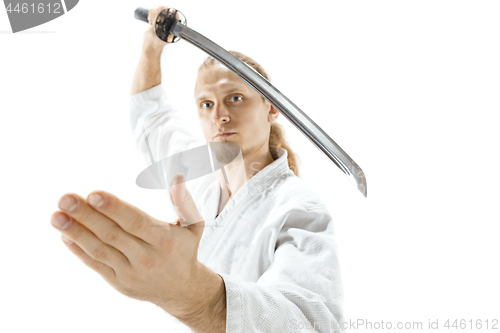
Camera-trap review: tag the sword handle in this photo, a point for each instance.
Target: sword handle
(141, 14)
(165, 21)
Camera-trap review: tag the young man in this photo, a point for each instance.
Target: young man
(265, 233)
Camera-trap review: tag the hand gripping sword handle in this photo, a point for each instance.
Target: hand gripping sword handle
(164, 21)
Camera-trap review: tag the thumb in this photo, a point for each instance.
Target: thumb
(185, 206)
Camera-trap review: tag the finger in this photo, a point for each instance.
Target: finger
(104, 270)
(106, 230)
(88, 242)
(158, 10)
(185, 207)
(130, 218)
(152, 16)
(171, 37)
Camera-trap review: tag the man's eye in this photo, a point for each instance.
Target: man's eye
(203, 104)
(233, 98)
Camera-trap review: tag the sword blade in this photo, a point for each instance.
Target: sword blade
(292, 112)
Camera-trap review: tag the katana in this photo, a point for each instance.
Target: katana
(171, 21)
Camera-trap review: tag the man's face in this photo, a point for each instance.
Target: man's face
(226, 103)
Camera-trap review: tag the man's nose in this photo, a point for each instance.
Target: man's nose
(221, 114)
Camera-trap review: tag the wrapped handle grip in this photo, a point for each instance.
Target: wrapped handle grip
(142, 14)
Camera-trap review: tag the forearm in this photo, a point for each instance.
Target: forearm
(205, 307)
(148, 71)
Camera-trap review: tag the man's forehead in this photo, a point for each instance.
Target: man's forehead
(215, 73)
(218, 84)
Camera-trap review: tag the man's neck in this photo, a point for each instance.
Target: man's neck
(244, 167)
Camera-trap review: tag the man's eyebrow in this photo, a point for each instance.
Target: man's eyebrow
(227, 91)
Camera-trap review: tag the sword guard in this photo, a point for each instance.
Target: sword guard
(165, 22)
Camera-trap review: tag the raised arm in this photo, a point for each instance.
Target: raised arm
(153, 119)
(148, 72)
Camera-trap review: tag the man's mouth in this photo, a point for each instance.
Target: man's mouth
(224, 135)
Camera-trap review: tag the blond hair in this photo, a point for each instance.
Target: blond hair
(276, 136)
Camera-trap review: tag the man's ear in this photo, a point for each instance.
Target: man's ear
(273, 113)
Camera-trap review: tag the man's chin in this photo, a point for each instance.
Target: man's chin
(224, 152)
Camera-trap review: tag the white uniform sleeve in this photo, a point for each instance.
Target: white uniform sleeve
(153, 117)
(302, 289)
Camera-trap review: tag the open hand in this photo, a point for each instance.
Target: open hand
(138, 255)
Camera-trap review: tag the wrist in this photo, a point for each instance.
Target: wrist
(207, 296)
(151, 50)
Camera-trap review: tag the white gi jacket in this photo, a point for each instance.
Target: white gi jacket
(272, 243)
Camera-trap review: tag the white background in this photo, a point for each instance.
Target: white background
(409, 89)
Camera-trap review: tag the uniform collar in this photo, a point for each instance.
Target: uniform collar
(253, 191)
(276, 169)
(261, 183)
